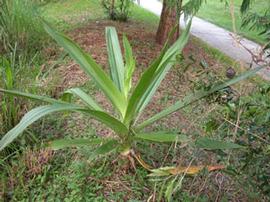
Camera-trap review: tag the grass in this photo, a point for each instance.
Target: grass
(20, 28)
(67, 14)
(218, 13)
(142, 15)
(70, 14)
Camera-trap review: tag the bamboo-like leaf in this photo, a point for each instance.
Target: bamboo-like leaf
(196, 96)
(129, 66)
(162, 137)
(91, 68)
(42, 111)
(88, 100)
(212, 144)
(153, 76)
(65, 143)
(115, 58)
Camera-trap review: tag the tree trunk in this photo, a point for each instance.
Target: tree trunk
(112, 11)
(168, 20)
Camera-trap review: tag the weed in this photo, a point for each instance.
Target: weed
(9, 110)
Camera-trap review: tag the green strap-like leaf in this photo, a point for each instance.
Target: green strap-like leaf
(107, 145)
(152, 78)
(196, 96)
(105, 148)
(88, 100)
(30, 118)
(108, 120)
(162, 137)
(211, 144)
(87, 63)
(64, 143)
(42, 111)
(32, 96)
(115, 58)
(129, 66)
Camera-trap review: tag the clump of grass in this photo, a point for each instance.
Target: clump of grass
(9, 111)
(20, 26)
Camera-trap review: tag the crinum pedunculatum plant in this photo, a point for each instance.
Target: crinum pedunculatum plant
(128, 103)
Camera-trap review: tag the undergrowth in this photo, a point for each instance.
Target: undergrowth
(20, 27)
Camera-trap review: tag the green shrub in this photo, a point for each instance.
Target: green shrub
(117, 9)
(254, 129)
(20, 26)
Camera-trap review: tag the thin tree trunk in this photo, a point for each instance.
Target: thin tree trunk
(168, 20)
(112, 15)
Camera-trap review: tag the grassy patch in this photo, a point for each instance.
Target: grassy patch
(21, 31)
(67, 14)
(218, 13)
(144, 16)
(70, 14)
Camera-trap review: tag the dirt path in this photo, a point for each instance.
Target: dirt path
(216, 37)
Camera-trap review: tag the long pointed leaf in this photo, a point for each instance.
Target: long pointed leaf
(111, 122)
(107, 145)
(105, 148)
(108, 120)
(115, 58)
(32, 96)
(88, 100)
(30, 118)
(129, 66)
(197, 96)
(212, 144)
(65, 143)
(42, 111)
(162, 137)
(87, 63)
(152, 78)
